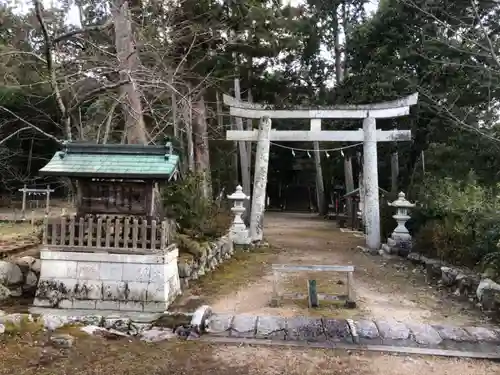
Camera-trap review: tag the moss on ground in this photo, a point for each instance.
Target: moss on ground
(243, 268)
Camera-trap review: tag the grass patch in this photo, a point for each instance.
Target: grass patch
(327, 309)
(74, 330)
(25, 325)
(16, 231)
(243, 268)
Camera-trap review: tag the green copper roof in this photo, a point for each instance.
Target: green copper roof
(112, 161)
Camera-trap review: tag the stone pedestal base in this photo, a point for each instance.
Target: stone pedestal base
(399, 246)
(101, 281)
(240, 237)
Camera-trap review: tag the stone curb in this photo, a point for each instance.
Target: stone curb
(361, 332)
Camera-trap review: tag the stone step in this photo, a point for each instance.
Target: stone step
(360, 333)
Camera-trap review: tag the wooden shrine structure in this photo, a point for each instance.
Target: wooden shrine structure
(369, 135)
(118, 207)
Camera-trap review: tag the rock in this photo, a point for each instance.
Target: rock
(10, 273)
(201, 270)
(4, 293)
(30, 281)
(122, 325)
(200, 318)
(433, 268)
(392, 329)
(157, 334)
(448, 275)
(92, 320)
(184, 269)
(32, 263)
(489, 273)
(488, 294)
(91, 329)
(62, 340)
(424, 334)
(53, 322)
(366, 329)
(111, 334)
(386, 248)
(414, 258)
(16, 291)
(11, 318)
(2, 329)
(137, 328)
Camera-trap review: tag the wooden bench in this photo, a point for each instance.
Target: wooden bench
(312, 294)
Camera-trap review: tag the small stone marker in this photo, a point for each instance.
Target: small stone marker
(312, 293)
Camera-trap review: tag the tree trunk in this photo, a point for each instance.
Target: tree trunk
(349, 183)
(188, 127)
(339, 71)
(394, 172)
(128, 64)
(202, 155)
(320, 188)
(244, 160)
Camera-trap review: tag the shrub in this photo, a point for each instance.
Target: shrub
(458, 221)
(197, 217)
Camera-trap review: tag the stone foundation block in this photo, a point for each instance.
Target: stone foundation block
(75, 280)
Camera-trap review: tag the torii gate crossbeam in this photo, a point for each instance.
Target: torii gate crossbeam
(369, 135)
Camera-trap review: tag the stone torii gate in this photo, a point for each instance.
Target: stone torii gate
(369, 135)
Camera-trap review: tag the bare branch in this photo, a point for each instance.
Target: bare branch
(84, 30)
(30, 125)
(98, 91)
(51, 69)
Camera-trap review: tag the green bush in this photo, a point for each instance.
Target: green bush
(458, 221)
(199, 218)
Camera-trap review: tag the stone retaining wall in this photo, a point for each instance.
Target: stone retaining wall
(462, 282)
(214, 253)
(18, 276)
(77, 280)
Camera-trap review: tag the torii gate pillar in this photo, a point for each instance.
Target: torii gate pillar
(260, 180)
(370, 184)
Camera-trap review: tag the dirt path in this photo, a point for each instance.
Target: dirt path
(384, 288)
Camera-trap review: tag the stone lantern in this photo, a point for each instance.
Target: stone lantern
(239, 231)
(400, 240)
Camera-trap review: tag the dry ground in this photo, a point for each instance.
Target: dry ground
(31, 353)
(385, 288)
(243, 285)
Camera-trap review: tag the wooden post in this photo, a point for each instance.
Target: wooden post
(63, 230)
(351, 297)
(349, 183)
(153, 235)
(135, 233)
(394, 172)
(144, 234)
(45, 230)
(312, 294)
(47, 201)
(275, 302)
(163, 238)
(72, 224)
